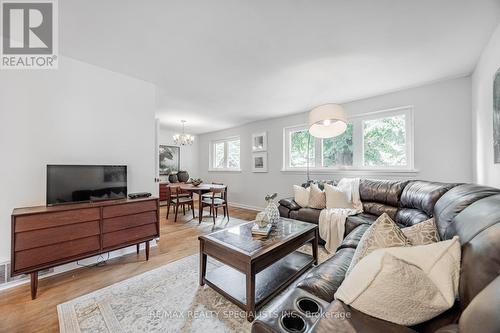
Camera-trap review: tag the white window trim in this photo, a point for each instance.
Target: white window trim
(358, 167)
(211, 167)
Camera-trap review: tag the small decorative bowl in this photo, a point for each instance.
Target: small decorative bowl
(197, 182)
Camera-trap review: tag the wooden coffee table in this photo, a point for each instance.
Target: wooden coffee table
(255, 268)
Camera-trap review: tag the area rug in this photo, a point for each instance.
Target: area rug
(166, 299)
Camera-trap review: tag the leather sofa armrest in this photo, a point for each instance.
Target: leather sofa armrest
(289, 203)
(343, 318)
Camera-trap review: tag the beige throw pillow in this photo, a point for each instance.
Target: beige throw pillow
(317, 198)
(422, 233)
(301, 195)
(383, 233)
(405, 285)
(336, 197)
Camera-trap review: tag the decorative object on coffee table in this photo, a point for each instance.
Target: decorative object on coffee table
(257, 269)
(261, 219)
(272, 211)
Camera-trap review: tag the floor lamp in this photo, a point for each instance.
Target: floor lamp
(325, 121)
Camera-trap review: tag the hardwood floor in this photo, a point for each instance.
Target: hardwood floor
(177, 240)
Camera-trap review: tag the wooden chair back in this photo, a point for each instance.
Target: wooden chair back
(222, 190)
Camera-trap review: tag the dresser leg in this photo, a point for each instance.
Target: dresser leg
(137, 248)
(34, 284)
(147, 250)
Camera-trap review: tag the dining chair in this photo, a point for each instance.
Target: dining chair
(218, 199)
(179, 198)
(209, 194)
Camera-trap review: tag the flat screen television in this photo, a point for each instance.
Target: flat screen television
(85, 183)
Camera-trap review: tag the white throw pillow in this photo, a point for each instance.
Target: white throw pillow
(317, 198)
(301, 195)
(336, 197)
(405, 285)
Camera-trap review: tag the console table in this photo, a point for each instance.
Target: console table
(48, 236)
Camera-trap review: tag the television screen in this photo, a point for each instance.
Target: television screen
(79, 183)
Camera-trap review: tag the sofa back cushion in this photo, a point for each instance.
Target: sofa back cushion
(423, 195)
(381, 196)
(418, 200)
(472, 212)
(382, 191)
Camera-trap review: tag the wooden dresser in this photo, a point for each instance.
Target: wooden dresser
(44, 237)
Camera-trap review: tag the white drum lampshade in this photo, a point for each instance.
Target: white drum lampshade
(327, 121)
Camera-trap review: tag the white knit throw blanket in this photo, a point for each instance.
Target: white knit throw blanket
(332, 221)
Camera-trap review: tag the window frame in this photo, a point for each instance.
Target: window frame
(358, 146)
(226, 168)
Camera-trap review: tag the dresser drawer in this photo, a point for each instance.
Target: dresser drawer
(56, 252)
(129, 235)
(128, 221)
(129, 208)
(37, 238)
(57, 219)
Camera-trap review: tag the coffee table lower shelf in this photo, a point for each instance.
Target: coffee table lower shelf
(273, 279)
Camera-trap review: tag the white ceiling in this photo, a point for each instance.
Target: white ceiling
(222, 63)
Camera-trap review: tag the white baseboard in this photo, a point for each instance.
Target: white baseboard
(73, 265)
(240, 205)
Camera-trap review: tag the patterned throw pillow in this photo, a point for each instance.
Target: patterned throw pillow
(317, 197)
(422, 233)
(383, 233)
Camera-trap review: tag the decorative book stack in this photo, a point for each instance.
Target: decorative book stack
(261, 231)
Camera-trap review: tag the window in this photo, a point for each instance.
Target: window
(378, 140)
(298, 148)
(338, 151)
(384, 141)
(225, 154)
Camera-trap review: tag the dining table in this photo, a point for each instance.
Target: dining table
(199, 190)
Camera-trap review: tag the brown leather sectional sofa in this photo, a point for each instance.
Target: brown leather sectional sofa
(470, 211)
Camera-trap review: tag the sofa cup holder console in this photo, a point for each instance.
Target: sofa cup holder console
(308, 306)
(293, 322)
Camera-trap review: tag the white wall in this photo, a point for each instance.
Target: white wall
(485, 170)
(443, 150)
(78, 114)
(189, 154)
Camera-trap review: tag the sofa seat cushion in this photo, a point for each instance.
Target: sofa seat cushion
(310, 215)
(352, 222)
(352, 240)
(342, 318)
(324, 280)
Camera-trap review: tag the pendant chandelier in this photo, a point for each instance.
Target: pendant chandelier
(183, 139)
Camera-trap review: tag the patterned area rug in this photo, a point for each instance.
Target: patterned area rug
(166, 299)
